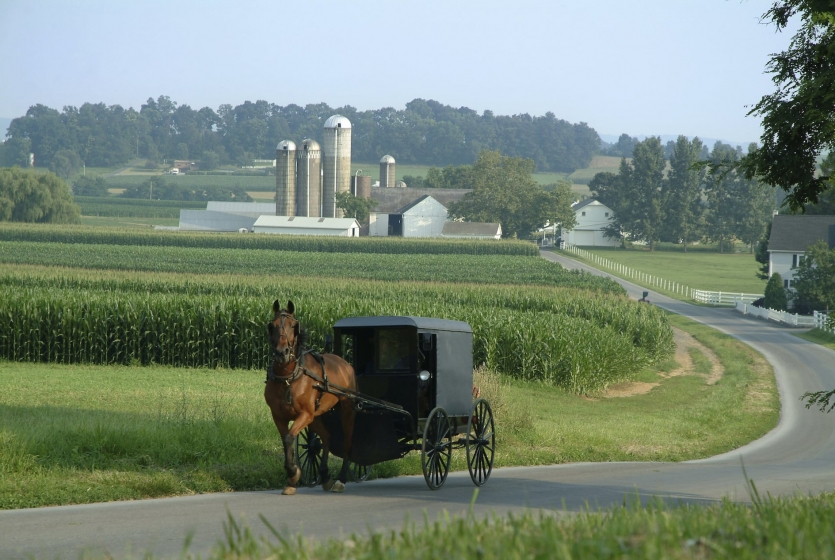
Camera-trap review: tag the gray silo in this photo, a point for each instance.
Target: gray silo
(285, 178)
(337, 163)
(309, 179)
(361, 186)
(387, 171)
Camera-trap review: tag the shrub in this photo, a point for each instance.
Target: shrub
(775, 293)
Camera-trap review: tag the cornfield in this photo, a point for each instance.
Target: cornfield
(298, 243)
(581, 340)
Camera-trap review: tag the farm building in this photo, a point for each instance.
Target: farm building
(790, 236)
(224, 216)
(592, 216)
(424, 217)
(303, 225)
(472, 230)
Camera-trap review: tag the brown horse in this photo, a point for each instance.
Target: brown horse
(296, 380)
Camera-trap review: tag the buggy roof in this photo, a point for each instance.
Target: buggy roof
(422, 323)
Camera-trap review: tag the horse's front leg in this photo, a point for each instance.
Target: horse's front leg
(287, 442)
(294, 473)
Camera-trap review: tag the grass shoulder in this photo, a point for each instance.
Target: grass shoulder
(818, 336)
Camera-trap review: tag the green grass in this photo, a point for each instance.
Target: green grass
(121, 432)
(818, 336)
(793, 527)
(734, 272)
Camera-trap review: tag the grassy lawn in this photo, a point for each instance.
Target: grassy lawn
(729, 272)
(818, 336)
(117, 432)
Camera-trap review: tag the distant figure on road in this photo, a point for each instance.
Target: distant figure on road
(645, 298)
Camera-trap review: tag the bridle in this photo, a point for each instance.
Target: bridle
(290, 357)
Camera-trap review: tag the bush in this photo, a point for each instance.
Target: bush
(775, 293)
(29, 196)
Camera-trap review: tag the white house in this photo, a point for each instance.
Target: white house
(790, 236)
(472, 230)
(592, 216)
(425, 217)
(303, 225)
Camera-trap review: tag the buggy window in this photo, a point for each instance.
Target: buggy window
(393, 349)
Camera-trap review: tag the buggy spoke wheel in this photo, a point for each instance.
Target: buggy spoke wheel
(309, 456)
(359, 473)
(480, 442)
(437, 449)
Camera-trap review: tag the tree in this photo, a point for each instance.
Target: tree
(799, 117)
(504, 191)
(414, 181)
(826, 200)
(722, 190)
(355, 206)
(814, 280)
(65, 163)
(775, 294)
(684, 204)
(29, 196)
(87, 185)
(209, 161)
(761, 253)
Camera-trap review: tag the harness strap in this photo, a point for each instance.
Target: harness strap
(323, 383)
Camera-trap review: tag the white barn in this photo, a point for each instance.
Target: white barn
(472, 230)
(592, 216)
(425, 217)
(224, 216)
(303, 225)
(790, 236)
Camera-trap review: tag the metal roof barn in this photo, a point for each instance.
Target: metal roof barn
(300, 225)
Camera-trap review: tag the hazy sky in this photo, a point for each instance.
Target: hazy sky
(641, 66)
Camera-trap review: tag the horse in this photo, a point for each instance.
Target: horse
(296, 390)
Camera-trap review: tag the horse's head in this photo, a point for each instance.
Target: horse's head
(285, 334)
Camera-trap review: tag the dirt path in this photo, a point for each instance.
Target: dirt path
(684, 343)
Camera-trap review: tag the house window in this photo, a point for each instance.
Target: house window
(607, 214)
(794, 261)
(786, 284)
(584, 213)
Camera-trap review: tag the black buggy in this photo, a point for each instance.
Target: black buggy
(415, 381)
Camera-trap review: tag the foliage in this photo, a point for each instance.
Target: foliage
(425, 132)
(534, 333)
(826, 200)
(65, 163)
(87, 185)
(209, 161)
(28, 196)
(503, 191)
(684, 209)
(775, 294)
(799, 117)
(814, 279)
(450, 177)
(623, 147)
(355, 207)
(761, 253)
(303, 243)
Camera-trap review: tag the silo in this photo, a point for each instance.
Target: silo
(337, 163)
(285, 178)
(309, 179)
(387, 171)
(361, 186)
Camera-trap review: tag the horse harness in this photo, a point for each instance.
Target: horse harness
(299, 370)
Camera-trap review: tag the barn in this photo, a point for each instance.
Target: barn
(303, 225)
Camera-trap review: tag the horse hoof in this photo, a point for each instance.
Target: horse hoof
(328, 485)
(338, 487)
(289, 491)
(295, 478)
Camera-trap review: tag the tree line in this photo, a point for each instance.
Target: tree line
(426, 132)
(683, 203)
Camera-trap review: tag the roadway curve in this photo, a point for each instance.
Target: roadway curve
(797, 456)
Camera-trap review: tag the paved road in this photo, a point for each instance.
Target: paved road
(798, 455)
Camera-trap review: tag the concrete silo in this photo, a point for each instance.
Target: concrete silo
(361, 186)
(387, 171)
(309, 179)
(285, 178)
(336, 164)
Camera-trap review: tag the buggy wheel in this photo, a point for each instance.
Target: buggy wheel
(480, 442)
(359, 473)
(309, 456)
(436, 449)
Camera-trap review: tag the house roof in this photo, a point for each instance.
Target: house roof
(583, 203)
(306, 222)
(239, 207)
(796, 233)
(471, 228)
(412, 204)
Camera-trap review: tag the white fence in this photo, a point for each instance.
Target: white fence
(824, 321)
(701, 296)
(774, 315)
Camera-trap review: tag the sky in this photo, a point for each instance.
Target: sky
(643, 67)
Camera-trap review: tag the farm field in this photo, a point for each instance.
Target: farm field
(702, 270)
(129, 432)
